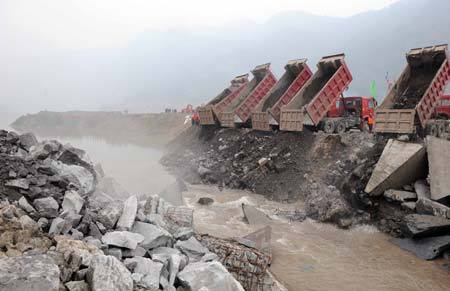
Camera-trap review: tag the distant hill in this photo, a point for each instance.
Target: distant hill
(172, 68)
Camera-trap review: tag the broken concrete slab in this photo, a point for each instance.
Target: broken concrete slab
(427, 206)
(439, 160)
(427, 248)
(400, 163)
(417, 225)
(254, 216)
(399, 195)
(259, 239)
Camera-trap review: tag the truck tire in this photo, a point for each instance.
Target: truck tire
(329, 126)
(433, 130)
(441, 130)
(340, 127)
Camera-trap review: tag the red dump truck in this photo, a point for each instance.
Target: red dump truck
(267, 113)
(208, 113)
(349, 112)
(410, 104)
(440, 125)
(239, 110)
(311, 104)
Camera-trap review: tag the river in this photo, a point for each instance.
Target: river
(306, 255)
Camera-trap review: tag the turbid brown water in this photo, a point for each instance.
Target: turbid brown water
(315, 256)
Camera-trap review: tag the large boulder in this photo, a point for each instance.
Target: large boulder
(72, 201)
(85, 251)
(29, 273)
(128, 216)
(27, 140)
(192, 248)
(47, 207)
(154, 236)
(109, 214)
(106, 273)
(123, 239)
(149, 272)
(162, 254)
(80, 177)
(208, 276)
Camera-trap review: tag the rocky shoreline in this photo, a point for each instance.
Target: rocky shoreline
(63, 228)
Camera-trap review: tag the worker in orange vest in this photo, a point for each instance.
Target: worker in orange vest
(370, 123)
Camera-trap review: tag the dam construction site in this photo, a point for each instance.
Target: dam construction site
(274, 184)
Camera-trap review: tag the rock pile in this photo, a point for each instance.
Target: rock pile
(59, 232)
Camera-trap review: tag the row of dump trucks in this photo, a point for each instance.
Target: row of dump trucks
(303, 98)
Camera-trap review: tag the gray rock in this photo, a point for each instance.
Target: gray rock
(80, 177)
(115, 252)
(18, 184)
(409, 205)
(47, 207)
(205, 201)
(183, 233)
(162, 254)
(124, 239)
(416, 225)
(203, 172)
(399, 195)
(109, 215)
(176, 263)
(59, 226)
(12, 137)
(209, 257)
(77, 286)
(427, 206)
(128, 216)
(75, 234)
(208, 276)
(137, 252)
(150, 271)
(71, 217)
(178, 216)
(93, 241)
(192, 248)
(155, 219)
(23, 203)
(254, 216)
(72, 201)
(106, 273)
(427, 248)
(43, 222)
(28, 223)
(30, 273)
(27, 140)
(154, 235)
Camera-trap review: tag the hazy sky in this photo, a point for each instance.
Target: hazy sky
(78, 24)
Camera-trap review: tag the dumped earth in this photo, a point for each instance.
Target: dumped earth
(349, 179)
(62, 227)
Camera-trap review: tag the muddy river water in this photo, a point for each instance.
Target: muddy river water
(307, 255)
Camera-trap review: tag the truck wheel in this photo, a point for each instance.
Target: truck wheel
(340, 127)
(328, 126)
(433, 130)
(441, 130)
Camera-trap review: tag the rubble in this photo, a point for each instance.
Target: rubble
(253, 216)
(58, 232)
(416, 225)
(400, 196)
(438, 160)
(426, 248)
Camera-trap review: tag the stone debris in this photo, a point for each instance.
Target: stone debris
(416, 225)
(108, 273)
(128, 215)
(124, 239)
(399, 195)
(30, 273)
(427, 248)
(72, 201)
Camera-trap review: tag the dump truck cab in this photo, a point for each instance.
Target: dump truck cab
(443, 109)
(349, 112)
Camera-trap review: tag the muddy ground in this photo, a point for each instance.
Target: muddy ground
(327, 172)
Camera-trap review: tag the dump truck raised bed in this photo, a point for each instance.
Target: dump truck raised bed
(209, 112)
(239, 111)
(267, 113)
(311, 104)
(410, 104)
